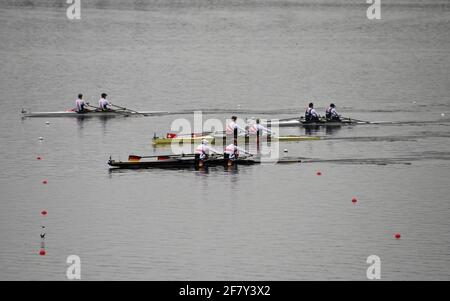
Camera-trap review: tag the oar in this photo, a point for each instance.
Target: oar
(115, 111)
(129, 110)
(137, 158)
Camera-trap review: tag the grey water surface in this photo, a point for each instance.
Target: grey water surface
(262, 222)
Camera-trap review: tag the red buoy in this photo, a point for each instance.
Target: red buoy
(44, 212)
(39, 158)
(44, 182)
(319, 173)
(354, 200)
(42, 252)
(397, 236)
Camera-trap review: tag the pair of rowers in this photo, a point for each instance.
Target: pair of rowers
(103, 104)
(331, 114)
(255, 128)
(232, 150)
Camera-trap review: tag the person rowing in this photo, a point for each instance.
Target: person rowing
(204, 150)
(233, 150)
(104, 104)
(331, 114)
(233, 126)
(80, 104)
(257, 127)
(311, 114)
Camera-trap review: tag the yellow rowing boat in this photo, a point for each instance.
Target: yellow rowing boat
(219, 139)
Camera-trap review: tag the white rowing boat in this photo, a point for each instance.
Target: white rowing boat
(111, 113)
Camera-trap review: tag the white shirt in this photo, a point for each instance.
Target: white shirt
(333, 112)
(313, 112)
(231, 149)
(233, 125)
(102, 103)
(258, 127)
(79, 103)
(205, 149)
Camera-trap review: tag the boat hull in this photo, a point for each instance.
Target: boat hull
(192, 163)
(73, 114)
(218, 140)
(179, 163)
(302, 122)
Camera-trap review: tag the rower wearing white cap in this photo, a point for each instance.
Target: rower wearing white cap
(232, 126)
(257, 127)
(233, 151)
(204, 149)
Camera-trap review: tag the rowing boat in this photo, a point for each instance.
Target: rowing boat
(111, 113)
(322, 122)
(218, 139)
(188, 161)
(181, 139)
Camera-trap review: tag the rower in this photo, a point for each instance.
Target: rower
(258, 128)
(103, 103)
(311, 114)
(233, 126)
(331, 114)
(204, 149)
(232, 151)
(80, 104)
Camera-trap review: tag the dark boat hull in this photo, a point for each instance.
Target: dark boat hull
(181, 163)
(322, 122)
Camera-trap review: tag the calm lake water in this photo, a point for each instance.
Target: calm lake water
(267, 222)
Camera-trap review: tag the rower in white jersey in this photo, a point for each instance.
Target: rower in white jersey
(331, 114)
(80, 104)
(233, 150)
(311, 114)
(232, 126)
(103, 103)
(204, 150)
(257, 127)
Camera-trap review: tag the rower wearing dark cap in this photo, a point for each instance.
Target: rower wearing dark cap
(103, 103)
(331, 114)
(80, 104)
(311, 114)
